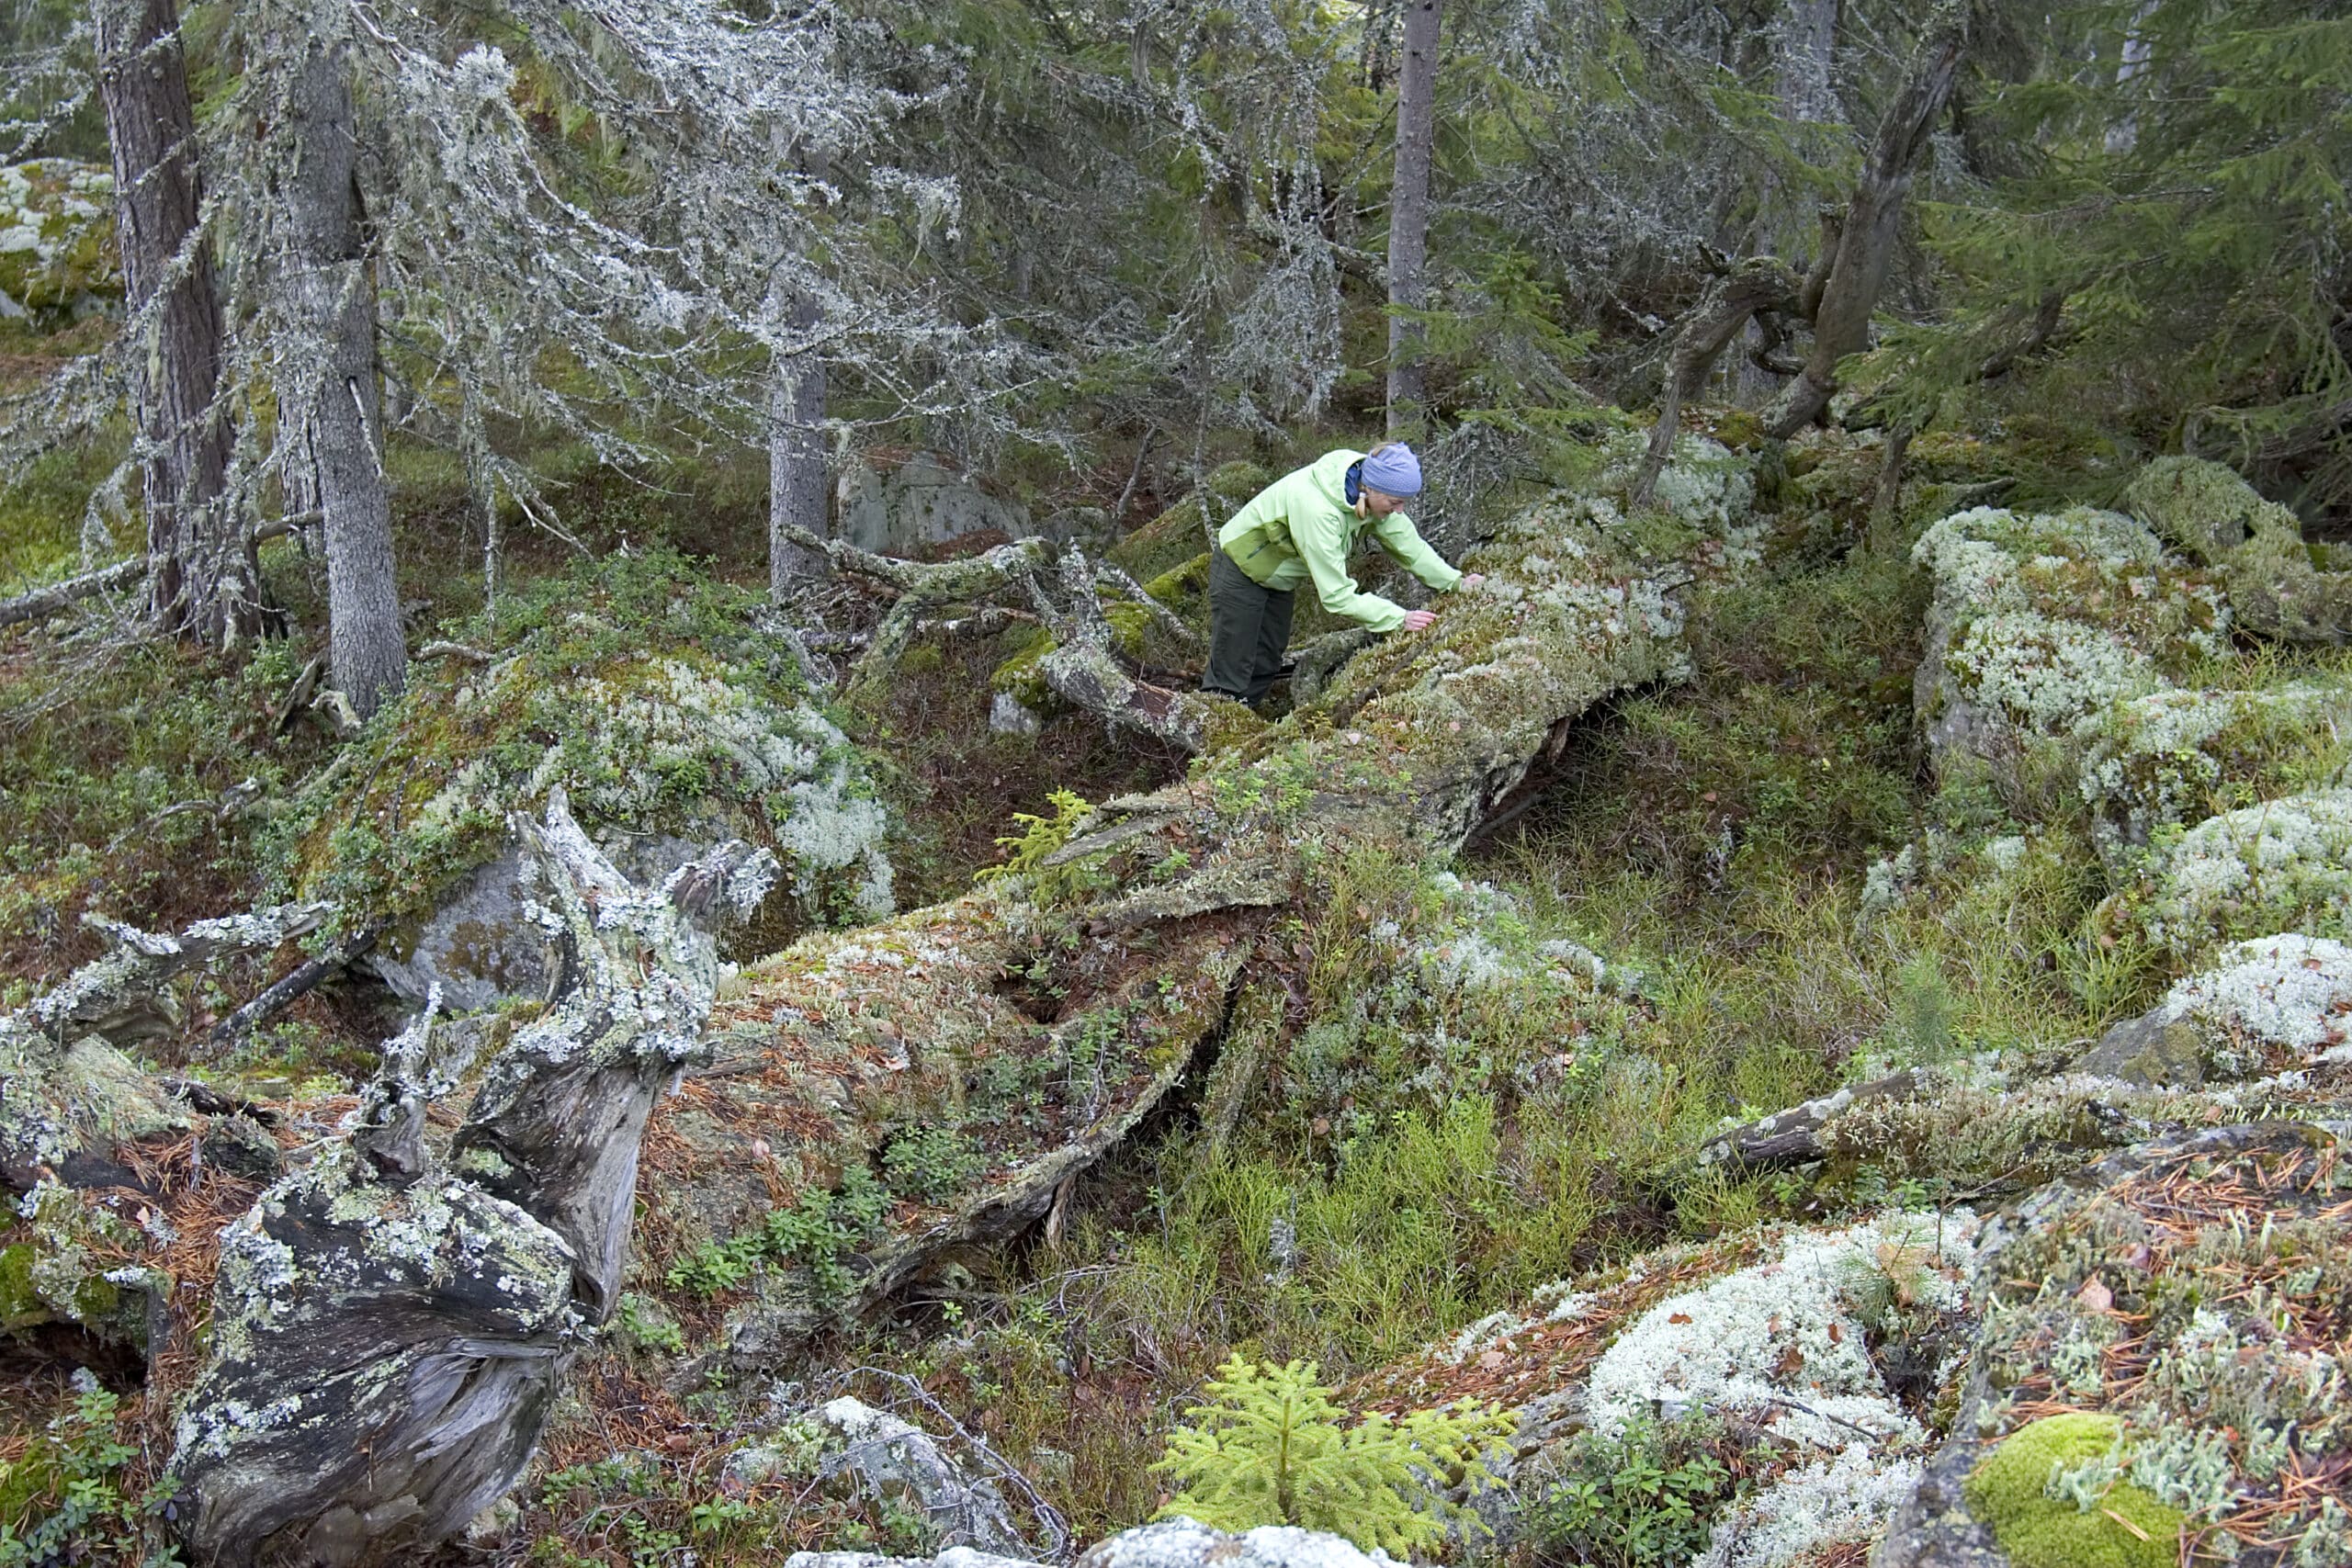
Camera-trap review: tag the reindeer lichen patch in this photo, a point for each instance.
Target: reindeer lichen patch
(2281, 866)
(2121, 1526)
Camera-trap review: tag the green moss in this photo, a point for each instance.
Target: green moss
(20, 1305)
(2130, 1528)
(1177, 535)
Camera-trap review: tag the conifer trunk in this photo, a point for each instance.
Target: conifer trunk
(203, 576)
(334, 461)
(1408, 215)
(797, 487)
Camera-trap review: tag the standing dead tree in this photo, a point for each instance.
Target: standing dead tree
(388, 1330)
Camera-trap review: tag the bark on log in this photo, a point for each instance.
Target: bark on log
(42, 603)
(1866, 238)
(203, 579)
(1793, 1137)
(389, 1333)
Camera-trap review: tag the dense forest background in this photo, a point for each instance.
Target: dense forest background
(787, 437)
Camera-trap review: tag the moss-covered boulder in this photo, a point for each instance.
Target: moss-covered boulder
(654, 698)
(2276, 586)
(2157, 1365)
(2040, 623)
(1186, 529)
(58, 256)
(2116, 1525)
(2176, 755)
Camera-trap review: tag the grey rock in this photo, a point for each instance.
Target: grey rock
(925, 501)
(2157, 1050)
(884, 1459)
(1007, 714)
(1186, 1543)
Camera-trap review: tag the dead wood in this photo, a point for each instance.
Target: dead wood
(1759, 283)
(1793, 1137)
(389, 1333)
(42, 603)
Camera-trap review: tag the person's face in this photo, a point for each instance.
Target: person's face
(1380, 503)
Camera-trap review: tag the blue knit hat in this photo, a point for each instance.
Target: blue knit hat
(1393, 470)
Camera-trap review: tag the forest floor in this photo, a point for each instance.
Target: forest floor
(1717, 838)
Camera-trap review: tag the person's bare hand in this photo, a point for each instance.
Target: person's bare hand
(1473, 579)
(1415, 619)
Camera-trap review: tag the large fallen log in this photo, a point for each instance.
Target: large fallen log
(388, 1329)
(882, 1097)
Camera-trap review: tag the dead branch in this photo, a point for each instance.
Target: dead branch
(42, 603)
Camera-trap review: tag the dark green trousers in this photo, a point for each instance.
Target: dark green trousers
(1249, 631)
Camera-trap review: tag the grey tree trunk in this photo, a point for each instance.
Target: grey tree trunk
(1408, 215)
(797, 493)
(203, 576)
(1865, 250)
(1806, 49)
(1756, 283)
(334, 433)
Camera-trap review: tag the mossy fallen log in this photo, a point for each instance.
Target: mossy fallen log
(883, 1096)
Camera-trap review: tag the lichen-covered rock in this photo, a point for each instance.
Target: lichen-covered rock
(847, 1445)
(2265, 1005)
(672, 721)
(1705, 484)
(1785, 1343)
(2038, 623)
(2274, 586)
(922, 502)
(2176, 755)
(2281, 865)
(2179, 1308)
(57, 257)
(1171, 1543)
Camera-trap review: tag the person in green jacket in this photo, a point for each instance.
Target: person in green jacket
(1302, 528)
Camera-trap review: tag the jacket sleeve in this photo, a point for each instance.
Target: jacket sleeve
(1323, 547)
(1402, 540)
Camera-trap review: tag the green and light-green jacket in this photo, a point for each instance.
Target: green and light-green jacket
(1301, 528)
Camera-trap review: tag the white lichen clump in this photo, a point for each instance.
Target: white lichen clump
(1784, 1345)
(2289, 990)
(1704, 483)
(2284, 862)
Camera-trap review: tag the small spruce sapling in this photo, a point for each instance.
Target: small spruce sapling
(1270, 1449)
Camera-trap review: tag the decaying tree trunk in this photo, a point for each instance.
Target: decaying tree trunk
(203, 579)
(335, 441)
(1865, 250)
(68, 1096)
(1035, 1022)
(1408, 215)
(41, 603)
(388, 1328)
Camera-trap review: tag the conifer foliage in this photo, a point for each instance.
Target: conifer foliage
(1271, 1448)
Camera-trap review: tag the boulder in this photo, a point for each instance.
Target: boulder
(2281, 1001)
(57, 258)
(2281, 865)
(1171, 1543)
(925, 501)
(867, 1455)
(2274, 586)
(2156, 1356)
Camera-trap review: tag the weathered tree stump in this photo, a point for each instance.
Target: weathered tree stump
(389, 1330)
